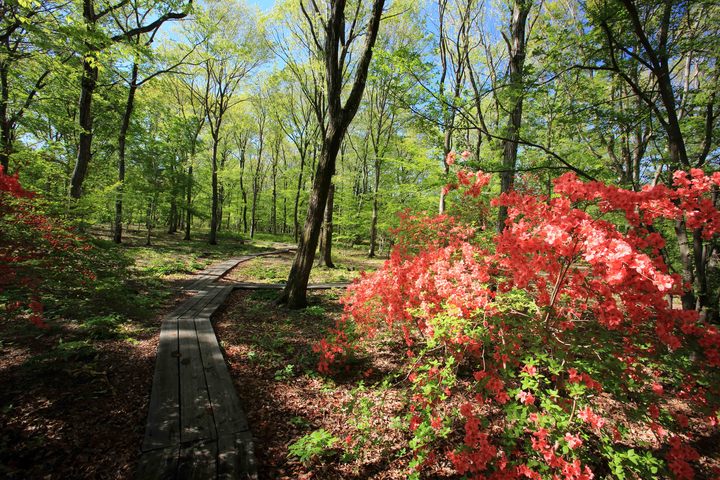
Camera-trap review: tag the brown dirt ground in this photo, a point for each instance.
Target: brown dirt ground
(73, 413)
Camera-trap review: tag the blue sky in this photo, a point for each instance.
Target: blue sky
(264, 5)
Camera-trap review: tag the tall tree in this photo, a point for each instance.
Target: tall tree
(23, 31)
(658, 40)
(516, 44)
(453, 26)
(141, 44)
(231, 52)
(337, 36)
(97, 39)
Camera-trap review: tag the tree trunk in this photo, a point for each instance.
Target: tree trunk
(686, 260)
(373, 222)
(214, 181)
(700, 260)
(5, 146)
(446, 168)
(296, 289)
(148, 222)
(87, 85)
(122, 138)
(188, 203)
(327, 231)
(173, 220)
(5, 121)
(339, 118)
(296, 221)
(521, 9)
(257, 185)
(273, 207)
(253, 211)
(284, 197)
(243, 192)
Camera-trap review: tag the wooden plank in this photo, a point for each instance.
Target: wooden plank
(196, 414)
(280, 286)
(198, 461)
(163, 424)
(160, 464)
(197, 302)
(184, 306)
(198, 298)
(227, 411)
(193, 396)
(196, 419)
(236, 457)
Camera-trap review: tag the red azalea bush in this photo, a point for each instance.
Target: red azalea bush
(562, 333)
(40, 258)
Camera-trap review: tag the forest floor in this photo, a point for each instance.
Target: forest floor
(74, 395)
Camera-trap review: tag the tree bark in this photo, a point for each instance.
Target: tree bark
(295, 290)
(327, 230)
(516, 46)
(122, 139)
(257, 184)
(373, 222)
(173, 220)
(214, 182)
(5, 121)
(339, 118)
(188, 201)
(87, 85)
(296, 220)
(273, 206)
(686, 260)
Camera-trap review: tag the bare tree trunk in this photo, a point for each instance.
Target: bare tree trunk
(285, 185)
(188, 202)
(149, 221)
(122, 138)
(339, 118)
(243, 194)
(87, 85)
(373, 222)
(520, 12)
(688, 297)
(295, 290)
(296, 221)
(257, 185)
(173, 220)
(446, 168)
(214, 181)
(327, 231)
(253, 210)
(273, 206)
(5, 121)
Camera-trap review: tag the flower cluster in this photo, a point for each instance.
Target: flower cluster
(570, 304)
(34, 251)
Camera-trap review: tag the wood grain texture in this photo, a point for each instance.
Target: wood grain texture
(196, 427)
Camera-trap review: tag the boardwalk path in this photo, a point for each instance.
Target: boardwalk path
(196, 428)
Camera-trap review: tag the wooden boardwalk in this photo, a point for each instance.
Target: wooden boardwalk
(196, 428)
(280, 286)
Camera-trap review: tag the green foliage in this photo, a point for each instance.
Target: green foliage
(78, 350)
(102, 327)
(285, 373)
(316, 445)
